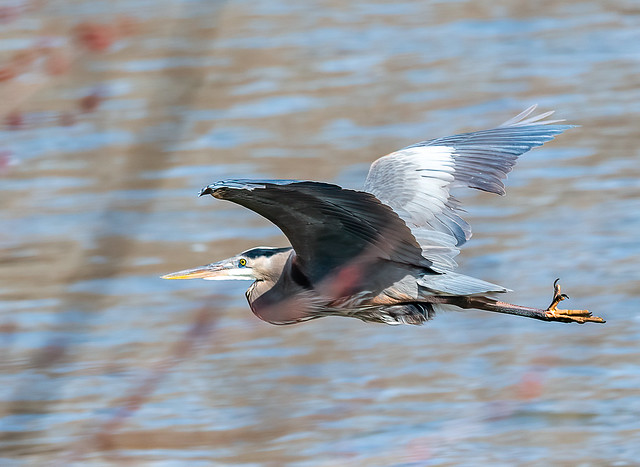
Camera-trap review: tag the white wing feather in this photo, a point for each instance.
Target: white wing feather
(416, 181)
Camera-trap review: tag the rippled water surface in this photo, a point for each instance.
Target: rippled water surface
(117, 113)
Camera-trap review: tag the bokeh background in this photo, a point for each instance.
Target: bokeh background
(114, 114)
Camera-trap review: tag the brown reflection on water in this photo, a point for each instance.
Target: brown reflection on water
(115, 115)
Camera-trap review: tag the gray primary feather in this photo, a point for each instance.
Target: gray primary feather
(416, 181)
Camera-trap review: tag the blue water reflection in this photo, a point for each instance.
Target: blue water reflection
(101, 165)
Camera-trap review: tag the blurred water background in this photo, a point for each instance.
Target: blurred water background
(114, 115)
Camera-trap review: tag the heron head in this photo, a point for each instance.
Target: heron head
(254, 264)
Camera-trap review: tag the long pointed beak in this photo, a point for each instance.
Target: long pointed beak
(222, 270)
(201, 272)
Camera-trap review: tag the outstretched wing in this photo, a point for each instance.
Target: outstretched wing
(416, 181)
(328, 226)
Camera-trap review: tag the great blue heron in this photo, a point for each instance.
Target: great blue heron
(383, 254)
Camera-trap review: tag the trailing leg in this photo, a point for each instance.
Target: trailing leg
(550, 314)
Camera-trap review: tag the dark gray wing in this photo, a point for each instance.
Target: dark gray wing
(416, 181)
(328, 226)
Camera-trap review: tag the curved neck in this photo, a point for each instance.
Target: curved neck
(280, 299)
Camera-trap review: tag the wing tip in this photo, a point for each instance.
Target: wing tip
(207, 190)
(524, 119)
(237, 184)
(246, 184)
(216, 189)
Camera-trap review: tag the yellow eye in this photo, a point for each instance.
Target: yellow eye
(242, 262)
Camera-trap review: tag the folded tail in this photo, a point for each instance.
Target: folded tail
(452, 283)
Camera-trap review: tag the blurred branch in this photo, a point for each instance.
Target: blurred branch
(201, 329)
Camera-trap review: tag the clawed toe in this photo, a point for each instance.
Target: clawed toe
(575, 316)
(557, 296)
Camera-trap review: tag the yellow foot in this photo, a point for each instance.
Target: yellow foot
(575, 316)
